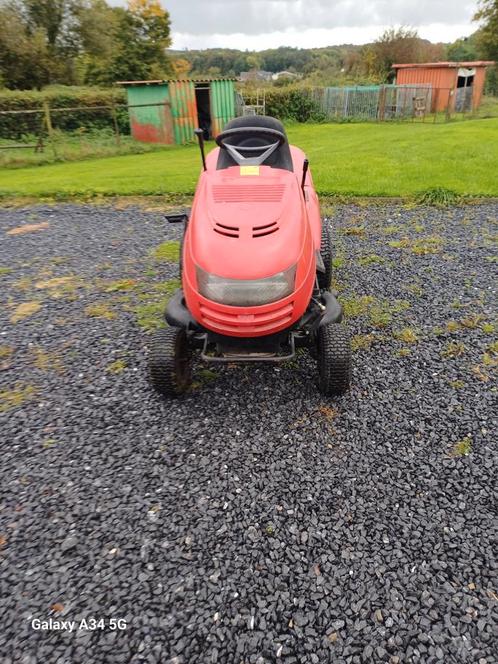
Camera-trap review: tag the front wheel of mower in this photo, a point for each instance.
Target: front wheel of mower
(170, 362)
(325, 278)
(334, 359)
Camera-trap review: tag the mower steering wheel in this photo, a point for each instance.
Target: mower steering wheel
(235, 151)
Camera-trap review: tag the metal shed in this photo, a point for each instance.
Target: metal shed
(168, 111)
(457, 86)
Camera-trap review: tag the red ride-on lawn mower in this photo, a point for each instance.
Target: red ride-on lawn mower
(255, 265)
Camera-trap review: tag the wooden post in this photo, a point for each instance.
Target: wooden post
(116, 125)
(382, 103)
(434, 102)
(48, 123)
(448, 105)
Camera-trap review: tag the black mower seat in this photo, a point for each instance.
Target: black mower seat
(281, 158)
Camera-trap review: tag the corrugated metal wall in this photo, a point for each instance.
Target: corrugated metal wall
(150, 124)
(222, 95)
(183, 109)
(442, 80)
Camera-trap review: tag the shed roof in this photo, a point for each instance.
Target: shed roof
(444, 65)
(174, 80)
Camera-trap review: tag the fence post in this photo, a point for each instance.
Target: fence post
(116, 125)
(434, 103)
(448, 105)
(50, 129)
(382, 103)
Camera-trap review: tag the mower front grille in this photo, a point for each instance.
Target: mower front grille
(229, 323)
(248, 193)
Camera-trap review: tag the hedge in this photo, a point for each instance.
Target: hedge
(289, 103)
(19, 124)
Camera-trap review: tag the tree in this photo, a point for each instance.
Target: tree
(463, 49)
(487, 38)
(142, 36)
(398, 45)
(24, 57)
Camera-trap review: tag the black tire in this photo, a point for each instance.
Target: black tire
(334, 359)
(325, 278)
(170, 362)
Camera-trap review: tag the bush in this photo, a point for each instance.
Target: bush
(290, 103)
(20, 124)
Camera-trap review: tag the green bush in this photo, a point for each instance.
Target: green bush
(18, 125)
(289, 103)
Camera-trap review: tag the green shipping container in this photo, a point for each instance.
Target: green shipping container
(169, 111)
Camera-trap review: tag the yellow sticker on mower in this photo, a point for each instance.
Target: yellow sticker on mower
(249, 170)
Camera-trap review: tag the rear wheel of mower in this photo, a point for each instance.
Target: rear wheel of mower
(170, 362)
(334, 359)
(325, 278)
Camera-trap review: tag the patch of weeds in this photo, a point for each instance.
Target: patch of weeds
(362, 341)
(120, 285)
(488, 328)
(206, 376)
(357, 306)
(116, 367)
(471, 322)
(456, 384)
(5, 352)
(337, 285)
(357, 231)
(456, 304)
(328, 412)
(59, 286)
(492, 259)
(59, 260)
(404, 352)
(406, 335)
(48, 443)
(338, 262)
(150, 272)
(419, 247)
(438, 331)
(462, 447)
(380, 316)
(270, 529)
(438, 197)
(480, 373)
(493, 348)
(452, 326)
(454, 349)
(370, 260)
(46, 361)
(418, 228)
(25, 310)
(16, 397)
(167, 251)
(5, 270)
(416, 289)
(391, 230)
(23, 284)
(150, 315)
(100, 310)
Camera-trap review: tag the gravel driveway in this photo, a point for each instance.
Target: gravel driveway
(252, 521)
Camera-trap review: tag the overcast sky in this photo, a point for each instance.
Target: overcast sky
(260, 24)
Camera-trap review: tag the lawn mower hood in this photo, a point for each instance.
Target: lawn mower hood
(248, 256)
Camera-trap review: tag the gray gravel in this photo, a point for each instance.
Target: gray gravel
(252, 521)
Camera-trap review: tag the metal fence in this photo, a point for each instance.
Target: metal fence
(375, 102)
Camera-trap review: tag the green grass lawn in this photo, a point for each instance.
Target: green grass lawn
(356, 159)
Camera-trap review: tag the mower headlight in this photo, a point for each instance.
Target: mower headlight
(246, 292)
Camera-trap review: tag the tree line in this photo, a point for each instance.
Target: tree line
(88, 42)
(82, 42)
